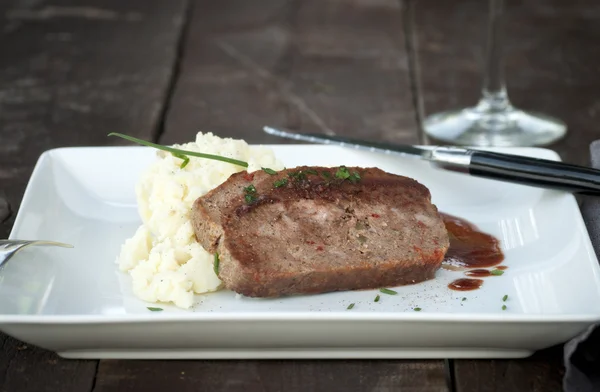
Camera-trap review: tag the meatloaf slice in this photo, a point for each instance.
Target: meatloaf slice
(316, 229)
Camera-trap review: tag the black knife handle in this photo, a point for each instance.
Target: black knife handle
(535, 172)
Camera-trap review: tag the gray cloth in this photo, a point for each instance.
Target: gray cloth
(582, 353)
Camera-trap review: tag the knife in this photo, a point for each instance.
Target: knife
(518, 169)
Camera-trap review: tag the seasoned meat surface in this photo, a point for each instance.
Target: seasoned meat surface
(316, 229)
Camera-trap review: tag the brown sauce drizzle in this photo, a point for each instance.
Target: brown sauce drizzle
(478, 273)
(472, 250)
(469, 247)
(466, 284)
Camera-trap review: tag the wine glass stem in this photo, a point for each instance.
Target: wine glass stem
(494, 93)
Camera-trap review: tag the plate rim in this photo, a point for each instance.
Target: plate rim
(193, 316)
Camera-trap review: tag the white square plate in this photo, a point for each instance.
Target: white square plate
(76, 302)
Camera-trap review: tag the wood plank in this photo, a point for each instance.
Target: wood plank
(312, 65)
(69, 74)
(332, 66)
(540, 373)
(270, 376)
(551, 52)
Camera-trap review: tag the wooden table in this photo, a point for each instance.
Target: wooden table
(70, 72)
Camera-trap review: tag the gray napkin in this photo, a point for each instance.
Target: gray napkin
(582, 353)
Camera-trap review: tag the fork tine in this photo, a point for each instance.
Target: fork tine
(8, 248)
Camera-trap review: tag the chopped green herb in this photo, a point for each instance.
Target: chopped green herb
(280, 183)
(503, 307)
(178, 151)
(299, 175)
(497, 272)
(464, 298)
(155, 309)
(505, 297)
(377, 298)
(249, 198)
(312, 171)
(269, 171)
(342, 173)
(186, 159)
(388, 291)
(354, 177)
(350, 306)
(326, 175)
(417, 309)
(216, 263)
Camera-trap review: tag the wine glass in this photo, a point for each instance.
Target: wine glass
(494, 121)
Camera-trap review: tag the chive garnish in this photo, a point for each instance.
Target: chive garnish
(505, 297)
(180, 152)
(350, 306)
(250, 189)
(503, 307)
(377, 298)
(388, 291)
(417, 309)
(186, 159)
(155, 309)
(464, 298)
(497, 272)
(216, 263)
(269, 171)
(280, 183)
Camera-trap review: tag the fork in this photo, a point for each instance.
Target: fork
(8, 248)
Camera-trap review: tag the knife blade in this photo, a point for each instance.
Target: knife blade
(536, 172)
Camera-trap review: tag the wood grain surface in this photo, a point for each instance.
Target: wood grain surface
(315, 65)
(551, 50)
(271, 376)
(551, 54)
(69, 74)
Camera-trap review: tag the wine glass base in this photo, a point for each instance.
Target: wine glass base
(506, 128)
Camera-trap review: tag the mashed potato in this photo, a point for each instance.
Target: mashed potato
(163, 257)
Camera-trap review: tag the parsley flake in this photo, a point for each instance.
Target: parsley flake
(464, 298)
(155, 309)
(326, 175)
(350, 306)
(505, 297)
(497, 272)
(299, 175)
(269, 171)
(249, 198)
(311, 171)
(354, 177)
(377, 298)
(280, 183)
(388, 291)
(342, 173)
(503, 307)
(417, 309)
